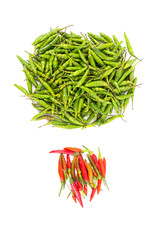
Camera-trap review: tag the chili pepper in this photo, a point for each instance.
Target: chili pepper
(100, 161)
(73, 149)
(22, 89)
(97, 170)
(80, 187)
(68, 164)
(83, 168)
(94, 172)
(129, 47)
(94, 157)
(78, 74)
(73, 174)
(74, 198)
(90, 173)
(93, 191)
(79, 170)
(61, 173)
(62, 151)
(99, 183)
(64, 166)
(106, 37)
(85, 189)
(76, 191)
(104, 164)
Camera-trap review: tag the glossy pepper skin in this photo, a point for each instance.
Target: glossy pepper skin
(99, 183)
(104, 163)
(85, 189)
(61, 174)
(73, 174)
(83, 168)
(68, 164)
(90, 173)
(101, 164)
(76, 191)
(92, 193)
(73, 149)
(94, 157)
(62, 151)
(79, 173)
(64, 166)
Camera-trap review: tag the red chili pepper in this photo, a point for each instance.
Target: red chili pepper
(68, 164)
(76, 191)
(93, 191)
(104, 164)
(73, 149)
(95, 161)
(83, 168)
(85, 189)
(61, 174)
(74, 198)
(92, 194)
(100, 161)
(62, 151)
(94, 157)
(80, 187)
(99, 185)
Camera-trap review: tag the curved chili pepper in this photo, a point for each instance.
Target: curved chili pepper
(62, 151)
(83, 168)
(76, 191)
(61, 174)
(90, 173)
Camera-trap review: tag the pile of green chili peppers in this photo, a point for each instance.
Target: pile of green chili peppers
(79, 81)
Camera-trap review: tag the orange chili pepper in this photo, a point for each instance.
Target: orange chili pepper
(90, 173)
(73, 174)
(99, 185)
(104, 164)
(73, 149)
(85, 189)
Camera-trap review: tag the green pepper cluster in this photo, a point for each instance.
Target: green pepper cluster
(79, 81)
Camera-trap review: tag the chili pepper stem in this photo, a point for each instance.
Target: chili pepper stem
(89, 151)
(105, 183)
(62, 185)
(69, 194)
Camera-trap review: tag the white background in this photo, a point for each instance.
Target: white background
(29, 205)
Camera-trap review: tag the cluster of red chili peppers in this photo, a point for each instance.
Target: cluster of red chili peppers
(80, 172)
